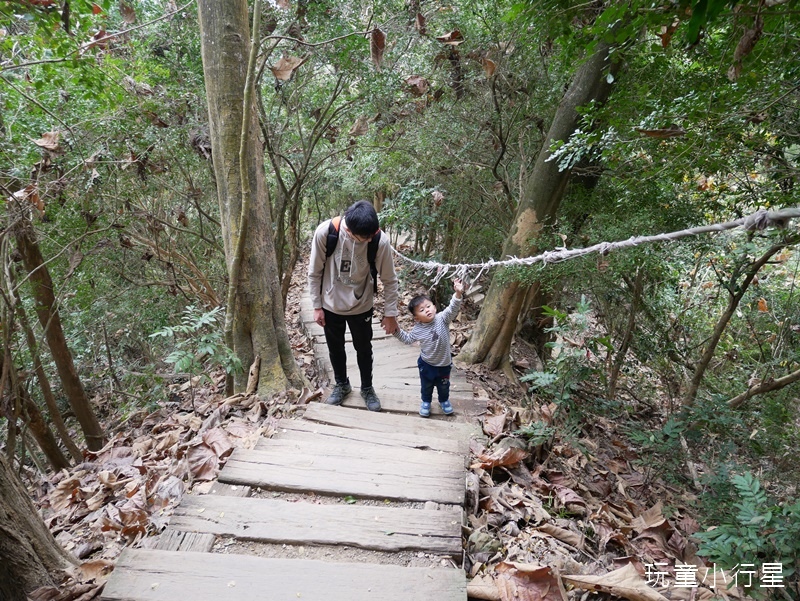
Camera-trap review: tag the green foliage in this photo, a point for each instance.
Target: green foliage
(570, 365)
(758, 532)
(537, 433)
(198, 343)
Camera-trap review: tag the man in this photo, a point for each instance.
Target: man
(341, 288)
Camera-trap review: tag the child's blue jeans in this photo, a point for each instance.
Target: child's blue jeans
(431, 376)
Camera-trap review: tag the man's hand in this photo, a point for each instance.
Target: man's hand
(458, 288)
(319, 317)
(389, 324)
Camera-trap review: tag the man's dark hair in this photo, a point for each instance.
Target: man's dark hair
(362, 219)
(416, 302)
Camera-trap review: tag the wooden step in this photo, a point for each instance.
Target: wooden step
(289, 428)
(385, 422)
(346, 470)
(150, 575)
(380, 528)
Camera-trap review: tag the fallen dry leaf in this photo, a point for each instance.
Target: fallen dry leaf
(494, 424)
(203, 462)
(564, 535)
(625, 582)
(218, 440)
(528, 582)
(501, 457)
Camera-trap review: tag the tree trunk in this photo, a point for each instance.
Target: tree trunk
(736, 292)
(41, 376)
(29, 555)
(258, 324)
(46, 310)
(619, 358)
(32, 416)
(493, 332)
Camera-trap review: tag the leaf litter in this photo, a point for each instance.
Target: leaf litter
(549, 522)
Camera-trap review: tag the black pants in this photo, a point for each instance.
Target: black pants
(361, 330)
(431, 376)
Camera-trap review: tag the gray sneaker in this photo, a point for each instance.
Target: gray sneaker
(340, 391)
(371, 399)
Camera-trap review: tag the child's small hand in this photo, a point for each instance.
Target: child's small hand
(458, 288)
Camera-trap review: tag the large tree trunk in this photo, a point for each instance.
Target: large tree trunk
(493, 332)
(29, 555)
(46, 310)
(258, 327)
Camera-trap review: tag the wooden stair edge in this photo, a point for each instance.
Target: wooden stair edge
(155, 575)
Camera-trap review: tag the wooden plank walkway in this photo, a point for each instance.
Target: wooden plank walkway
(331, 458)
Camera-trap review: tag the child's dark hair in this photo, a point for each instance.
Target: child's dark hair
(417, 301)
(361, 218)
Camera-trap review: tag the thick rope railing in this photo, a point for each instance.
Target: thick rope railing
(760, 220)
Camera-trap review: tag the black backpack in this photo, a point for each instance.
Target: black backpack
(372, 248)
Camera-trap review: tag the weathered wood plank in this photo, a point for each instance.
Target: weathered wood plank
(229, 490)
(147, 575)
(384, 422)
(174, 539)
(291, 428)
(367, 527)
(308, 443)
(347, 473)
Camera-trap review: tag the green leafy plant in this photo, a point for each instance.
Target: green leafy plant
(198, 345)
(760, 531)
(537, 433)
(570, 364)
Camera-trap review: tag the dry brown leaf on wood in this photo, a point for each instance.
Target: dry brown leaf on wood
(625, 582)
(31, 194)
(528, 582)
(489, 66)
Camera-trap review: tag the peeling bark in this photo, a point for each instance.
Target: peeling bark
(492, 335)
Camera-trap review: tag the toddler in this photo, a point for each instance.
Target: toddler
(435, 359)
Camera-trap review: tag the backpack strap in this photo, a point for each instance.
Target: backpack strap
(372, 253)
(333, 236)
